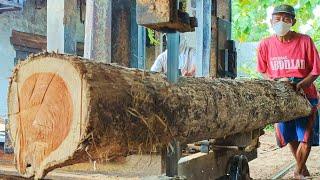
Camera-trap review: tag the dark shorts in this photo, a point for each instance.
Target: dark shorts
(304, 129)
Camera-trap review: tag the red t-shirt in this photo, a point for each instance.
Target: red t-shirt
(297, 58)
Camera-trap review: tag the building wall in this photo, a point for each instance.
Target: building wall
(29, 20)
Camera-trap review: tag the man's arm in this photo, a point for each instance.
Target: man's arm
(157, 65)
(262, 66)
(306, 82)
(266, 77)
(314, 60)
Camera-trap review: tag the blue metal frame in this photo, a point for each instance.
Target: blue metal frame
(173, 43)
(173, 57)
(203, 34)
(142, 47)
(138, 41)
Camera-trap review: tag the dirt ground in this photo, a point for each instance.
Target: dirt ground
(272, 160)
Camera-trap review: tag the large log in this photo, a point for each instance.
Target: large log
(65, 110)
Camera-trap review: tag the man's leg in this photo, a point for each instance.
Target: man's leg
(294, 145)
(302, 155)
(304, 131)
(286, 132)
(300, 152)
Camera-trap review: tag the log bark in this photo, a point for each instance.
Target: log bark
(65, 110)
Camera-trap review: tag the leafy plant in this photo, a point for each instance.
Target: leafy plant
(152, 37)
(269, 127)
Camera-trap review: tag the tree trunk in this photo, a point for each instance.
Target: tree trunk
(65, 110)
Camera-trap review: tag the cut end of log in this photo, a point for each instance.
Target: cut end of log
(44, 118)
(45, 111)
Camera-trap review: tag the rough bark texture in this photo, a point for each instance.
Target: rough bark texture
(121, 111)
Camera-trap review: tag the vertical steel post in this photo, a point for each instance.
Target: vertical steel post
(138, 40)
(172, 157)
(203, 34)
(173, 152)
(173, 57)
(142, 47)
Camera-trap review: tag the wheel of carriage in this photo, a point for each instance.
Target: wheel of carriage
(238, 168)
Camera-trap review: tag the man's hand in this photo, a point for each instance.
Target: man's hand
(302, 85)
(306, 82)
(190, 73)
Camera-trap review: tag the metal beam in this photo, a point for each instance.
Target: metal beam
(173, 57)
(138, 41)
(142, 47)
(173, 155)
(203, 34)
(61, 26)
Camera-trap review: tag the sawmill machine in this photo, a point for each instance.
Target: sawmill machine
(216, 58)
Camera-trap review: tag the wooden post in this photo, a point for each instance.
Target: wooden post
(224, 9)
(98, 30)
(61, 26)
(107, 36)
(121, 22)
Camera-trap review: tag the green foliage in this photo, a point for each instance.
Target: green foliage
(269, 127)
(152, 37)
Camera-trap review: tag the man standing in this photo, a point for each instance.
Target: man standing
(293, 57)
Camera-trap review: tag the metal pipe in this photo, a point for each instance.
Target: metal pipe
(173, 57)
(283, 172)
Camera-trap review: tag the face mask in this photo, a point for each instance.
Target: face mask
(281, 28)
